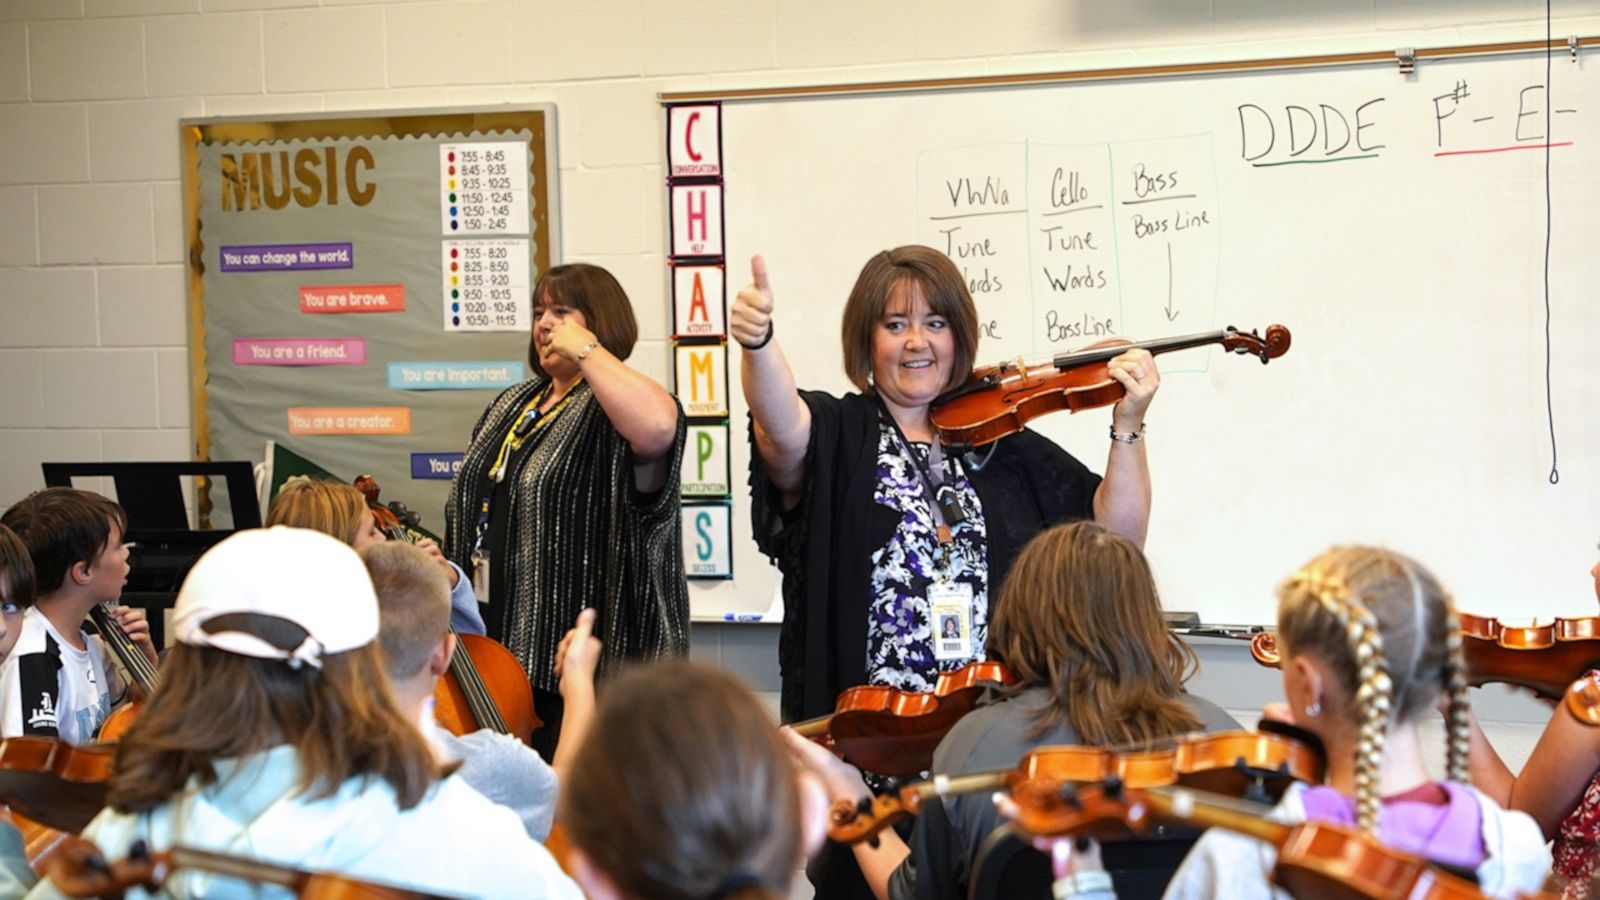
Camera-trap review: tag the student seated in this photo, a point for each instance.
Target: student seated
(1079, 623)
(414, 604)
(335, 508)
(1370, 644)
(57, 681)
(684, 791)
(1559, 786)
(16, 594)
(275, 736)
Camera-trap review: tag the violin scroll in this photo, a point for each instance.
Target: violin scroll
(1274, 345)
(1264, 647)
(1583, 699)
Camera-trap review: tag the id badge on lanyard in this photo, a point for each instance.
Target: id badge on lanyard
(480, 574)
(951, 605)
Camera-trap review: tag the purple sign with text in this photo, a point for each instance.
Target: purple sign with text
(287, 257)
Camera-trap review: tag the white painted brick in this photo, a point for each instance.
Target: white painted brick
(13, 63)
(623, 124)
(721, 36)
(19, 229)
(142, 306)
(22, 401)
(324, 50)
(107, 8)
(653, 360)
(239, 5)
(209, 54)
(48, 308)
(100, 389)
(39, 10)
(644, 277)
(153, 445)
(95, 224)
(602, 212)
(1138, 23)
(44, 144)
(92, 60)
(21, 452)
(172, 387)
(597, 39)
(946, 28)
(407, 98)
(137, 140)
(263, 104)
(1393, 14)
(449, 43)
(845, 32)
(167, 201)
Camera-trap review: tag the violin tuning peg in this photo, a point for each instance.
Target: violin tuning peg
(1068, 793)
(864, 805)
(1112, 787)
(139, 850)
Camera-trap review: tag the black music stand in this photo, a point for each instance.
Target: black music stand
(152, 494)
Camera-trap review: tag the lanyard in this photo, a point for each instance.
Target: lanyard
(527, 424)
(944, 502)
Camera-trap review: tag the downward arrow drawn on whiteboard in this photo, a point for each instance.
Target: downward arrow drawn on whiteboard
(1171, 313)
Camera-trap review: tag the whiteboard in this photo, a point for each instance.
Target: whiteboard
(1396, 224)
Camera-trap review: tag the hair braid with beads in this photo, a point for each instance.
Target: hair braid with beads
(1457, 732)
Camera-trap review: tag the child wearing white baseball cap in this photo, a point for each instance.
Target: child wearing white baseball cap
(275, 736)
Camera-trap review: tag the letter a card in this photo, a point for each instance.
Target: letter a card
(708, 540)
(702, 385)
(699, 301)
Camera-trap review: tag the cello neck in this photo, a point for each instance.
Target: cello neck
(133, 660)
(1158, 345)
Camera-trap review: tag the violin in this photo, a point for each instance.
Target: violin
(893, 732)
(1256, 765)
(1583, 700)
(486, 686)
(53, 782)
(80, 870)
(1315, 859)
(1003, 399)
(1543, 658)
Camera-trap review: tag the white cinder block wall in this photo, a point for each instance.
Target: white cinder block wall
(92, 326)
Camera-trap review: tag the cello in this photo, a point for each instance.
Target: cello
(486, 686)
(1001, 400)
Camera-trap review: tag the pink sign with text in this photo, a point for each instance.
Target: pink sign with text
(299, 351)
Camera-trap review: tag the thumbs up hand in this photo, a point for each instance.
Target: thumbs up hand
(750, 323)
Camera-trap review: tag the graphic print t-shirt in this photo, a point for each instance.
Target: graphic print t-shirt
(48, 688)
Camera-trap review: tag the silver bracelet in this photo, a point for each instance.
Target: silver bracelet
(584, 353)
(1127, 437)
(1084, 882)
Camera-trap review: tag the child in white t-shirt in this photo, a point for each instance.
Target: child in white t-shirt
(56, 681)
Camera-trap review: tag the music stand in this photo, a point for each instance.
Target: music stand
(158, 521)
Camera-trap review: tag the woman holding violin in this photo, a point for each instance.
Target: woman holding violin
(1370, 645)
(1559, 786)
(341, 510)
(1079, 623)
(879, 530)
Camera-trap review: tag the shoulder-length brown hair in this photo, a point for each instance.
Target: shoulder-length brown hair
(942, 284)
(596, 293)
(1079, 616)
(331, 507)
(215, 705)
(711, 808)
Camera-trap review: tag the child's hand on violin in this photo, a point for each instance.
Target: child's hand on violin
(430, 547)
(1069, 854)
(578, 655)
(842, 780)
(133, 622)
(1136, 371)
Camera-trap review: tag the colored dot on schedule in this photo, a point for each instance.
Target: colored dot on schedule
(454, 294)
(455, 320)
(452, 156)
(454, 252)
(454, 281)
(454, 267)
(455, 307)
(454, 224)
(452, 184)
(452, 210)
(452, 198)
(452, 170)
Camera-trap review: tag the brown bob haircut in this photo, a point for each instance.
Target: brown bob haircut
(942, 284)
(596, 293)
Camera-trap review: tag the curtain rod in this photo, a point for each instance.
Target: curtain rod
(1403, 58)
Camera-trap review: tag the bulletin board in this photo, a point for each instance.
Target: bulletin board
(359, 284)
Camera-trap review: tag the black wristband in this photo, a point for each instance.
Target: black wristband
(764, 341)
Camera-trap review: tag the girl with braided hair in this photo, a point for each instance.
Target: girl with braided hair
(1370, 646)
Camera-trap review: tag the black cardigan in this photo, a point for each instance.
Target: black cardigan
(824, 545)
